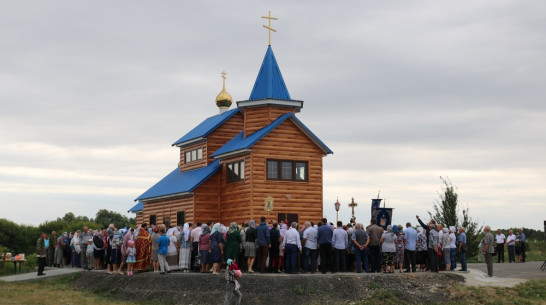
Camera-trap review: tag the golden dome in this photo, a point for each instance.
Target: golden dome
(223, 99)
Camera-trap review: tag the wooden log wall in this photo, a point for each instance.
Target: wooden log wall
(207, 200)
(216, 139)
(185, 166)
(235, 198)
(259, 117)
(168, 208)
(288, 142)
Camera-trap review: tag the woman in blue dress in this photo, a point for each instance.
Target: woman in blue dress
(216, 248)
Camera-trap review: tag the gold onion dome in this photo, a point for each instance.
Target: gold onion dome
(223, 99)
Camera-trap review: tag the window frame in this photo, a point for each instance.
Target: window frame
(193, 155)
(279, 173)
(154, 217)
(231, 177)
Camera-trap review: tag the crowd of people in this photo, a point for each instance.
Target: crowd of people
(272, 247)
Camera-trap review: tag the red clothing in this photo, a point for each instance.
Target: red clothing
(143, 245)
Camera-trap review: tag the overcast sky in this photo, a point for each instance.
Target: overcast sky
(93, 94)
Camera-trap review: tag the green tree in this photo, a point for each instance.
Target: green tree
(105, 217)
(447, 211)
(446, 208)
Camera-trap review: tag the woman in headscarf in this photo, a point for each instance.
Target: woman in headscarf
(172, 251)
(250, 244)
(452, 248)
(76, 250)
(400, 246)
(388, 249)
(446, 250)
(99, 248)
(185, 248)
(421, 248)
(115, 243)
(204, 248)
(127, 236)
(216, 250)
(233, 240)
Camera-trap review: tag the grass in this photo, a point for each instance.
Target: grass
(529, 293)
(46, 292)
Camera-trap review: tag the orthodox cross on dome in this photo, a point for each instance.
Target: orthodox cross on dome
(224, 78)
(269, 25)
(352, 205)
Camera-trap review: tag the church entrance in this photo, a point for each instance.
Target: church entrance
(287, 218)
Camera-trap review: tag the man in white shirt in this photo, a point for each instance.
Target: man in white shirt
(194, 236)
(310, 247)
(501, 240)
(511, 243)
(292, 245)
(340, 243)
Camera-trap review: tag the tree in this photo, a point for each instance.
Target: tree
(446, 211)
(105, 217)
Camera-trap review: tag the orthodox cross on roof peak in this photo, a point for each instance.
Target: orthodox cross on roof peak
(352, 205)
(269, 25)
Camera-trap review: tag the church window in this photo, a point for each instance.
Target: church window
(235, 171)
(153, 220)
(287, 170)
(194, 155)
(272, 169)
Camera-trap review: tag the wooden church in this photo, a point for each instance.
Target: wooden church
(255, 160)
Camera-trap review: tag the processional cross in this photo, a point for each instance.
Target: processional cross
(352, 205)
(269, 26)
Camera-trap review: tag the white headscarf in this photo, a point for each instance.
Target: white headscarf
(452, 229)
(186, 231)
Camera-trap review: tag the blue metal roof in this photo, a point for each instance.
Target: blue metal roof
(240, 143)
(206, 127)
(269, 83)
(138, 207)
(181, 182)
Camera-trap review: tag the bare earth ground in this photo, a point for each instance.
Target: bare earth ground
(181, 288)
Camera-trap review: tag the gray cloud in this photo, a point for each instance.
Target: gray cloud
(93, 94)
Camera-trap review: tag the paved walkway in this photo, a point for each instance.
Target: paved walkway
(504, 275)
(49, 273)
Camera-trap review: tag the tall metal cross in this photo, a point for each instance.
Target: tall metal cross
(269, 26)
(352, 205)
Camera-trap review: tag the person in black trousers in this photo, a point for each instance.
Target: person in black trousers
(41, 254)
(324, 239)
